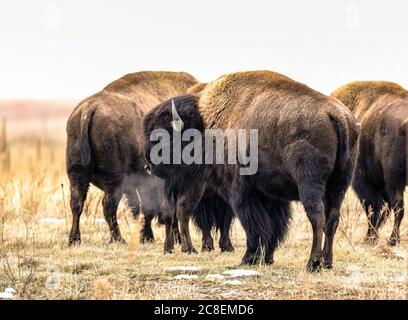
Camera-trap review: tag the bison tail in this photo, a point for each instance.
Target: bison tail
(343, 150)
(85, 147)
(78, 152)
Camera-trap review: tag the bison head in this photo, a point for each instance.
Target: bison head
(165, 130)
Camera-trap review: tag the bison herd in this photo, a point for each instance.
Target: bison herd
(310, 148)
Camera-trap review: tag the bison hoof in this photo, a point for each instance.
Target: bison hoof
(328, 265)
(146, 236)
(168, 250)
(207, 247)
(117, 240)
(144, 239)
(314, 265)
(393, 242)
(227, 248)
(74, 240)
(256, 259)
(189, 250)
(248, 262)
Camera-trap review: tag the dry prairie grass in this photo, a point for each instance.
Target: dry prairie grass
(35, 258)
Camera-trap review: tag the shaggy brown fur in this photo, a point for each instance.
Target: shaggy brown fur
(105, 146)
(359, 96)
(380, 177)
(307, 148)
(197, 89)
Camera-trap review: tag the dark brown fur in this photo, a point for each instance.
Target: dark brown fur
(105, 147)
(307, 150)
(380, 176)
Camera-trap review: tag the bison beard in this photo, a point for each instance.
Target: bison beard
(307, 153)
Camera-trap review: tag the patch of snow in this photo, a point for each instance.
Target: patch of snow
(185, 277)
(232, 282)
(241, 273)
(8, 294)
(215, 276)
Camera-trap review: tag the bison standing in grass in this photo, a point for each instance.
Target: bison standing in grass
(307, 149)
(105, 147)
(381, 170)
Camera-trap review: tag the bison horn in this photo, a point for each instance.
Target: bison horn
(177, 123)
(147, 169)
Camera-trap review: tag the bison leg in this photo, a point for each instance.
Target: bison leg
(110, 205)
(315, 212)
(335, 192)
(207, 241)
(373, 208)
(225, 241)
(204, 219)
(398, 215)
(183, 217)
(169, 241)
(332, 221)
(372, 202)
(133, 202)
(176, 231)
(146, 234)
(79, 190)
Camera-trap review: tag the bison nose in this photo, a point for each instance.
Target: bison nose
(147, 168)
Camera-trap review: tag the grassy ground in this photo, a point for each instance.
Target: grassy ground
(36, 260)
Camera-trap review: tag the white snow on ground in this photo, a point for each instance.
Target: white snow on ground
(241, 273)
(214, 276)
(232, 282)
(185, 273)
(8, 294)
(185, 277)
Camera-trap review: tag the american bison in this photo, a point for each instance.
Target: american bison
(380, 176)
(307, 145)
(105, 148)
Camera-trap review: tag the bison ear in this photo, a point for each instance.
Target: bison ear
(177, 123)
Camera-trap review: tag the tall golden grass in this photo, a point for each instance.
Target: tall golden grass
(35, 258)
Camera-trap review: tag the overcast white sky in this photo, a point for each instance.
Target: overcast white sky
(52, 49)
